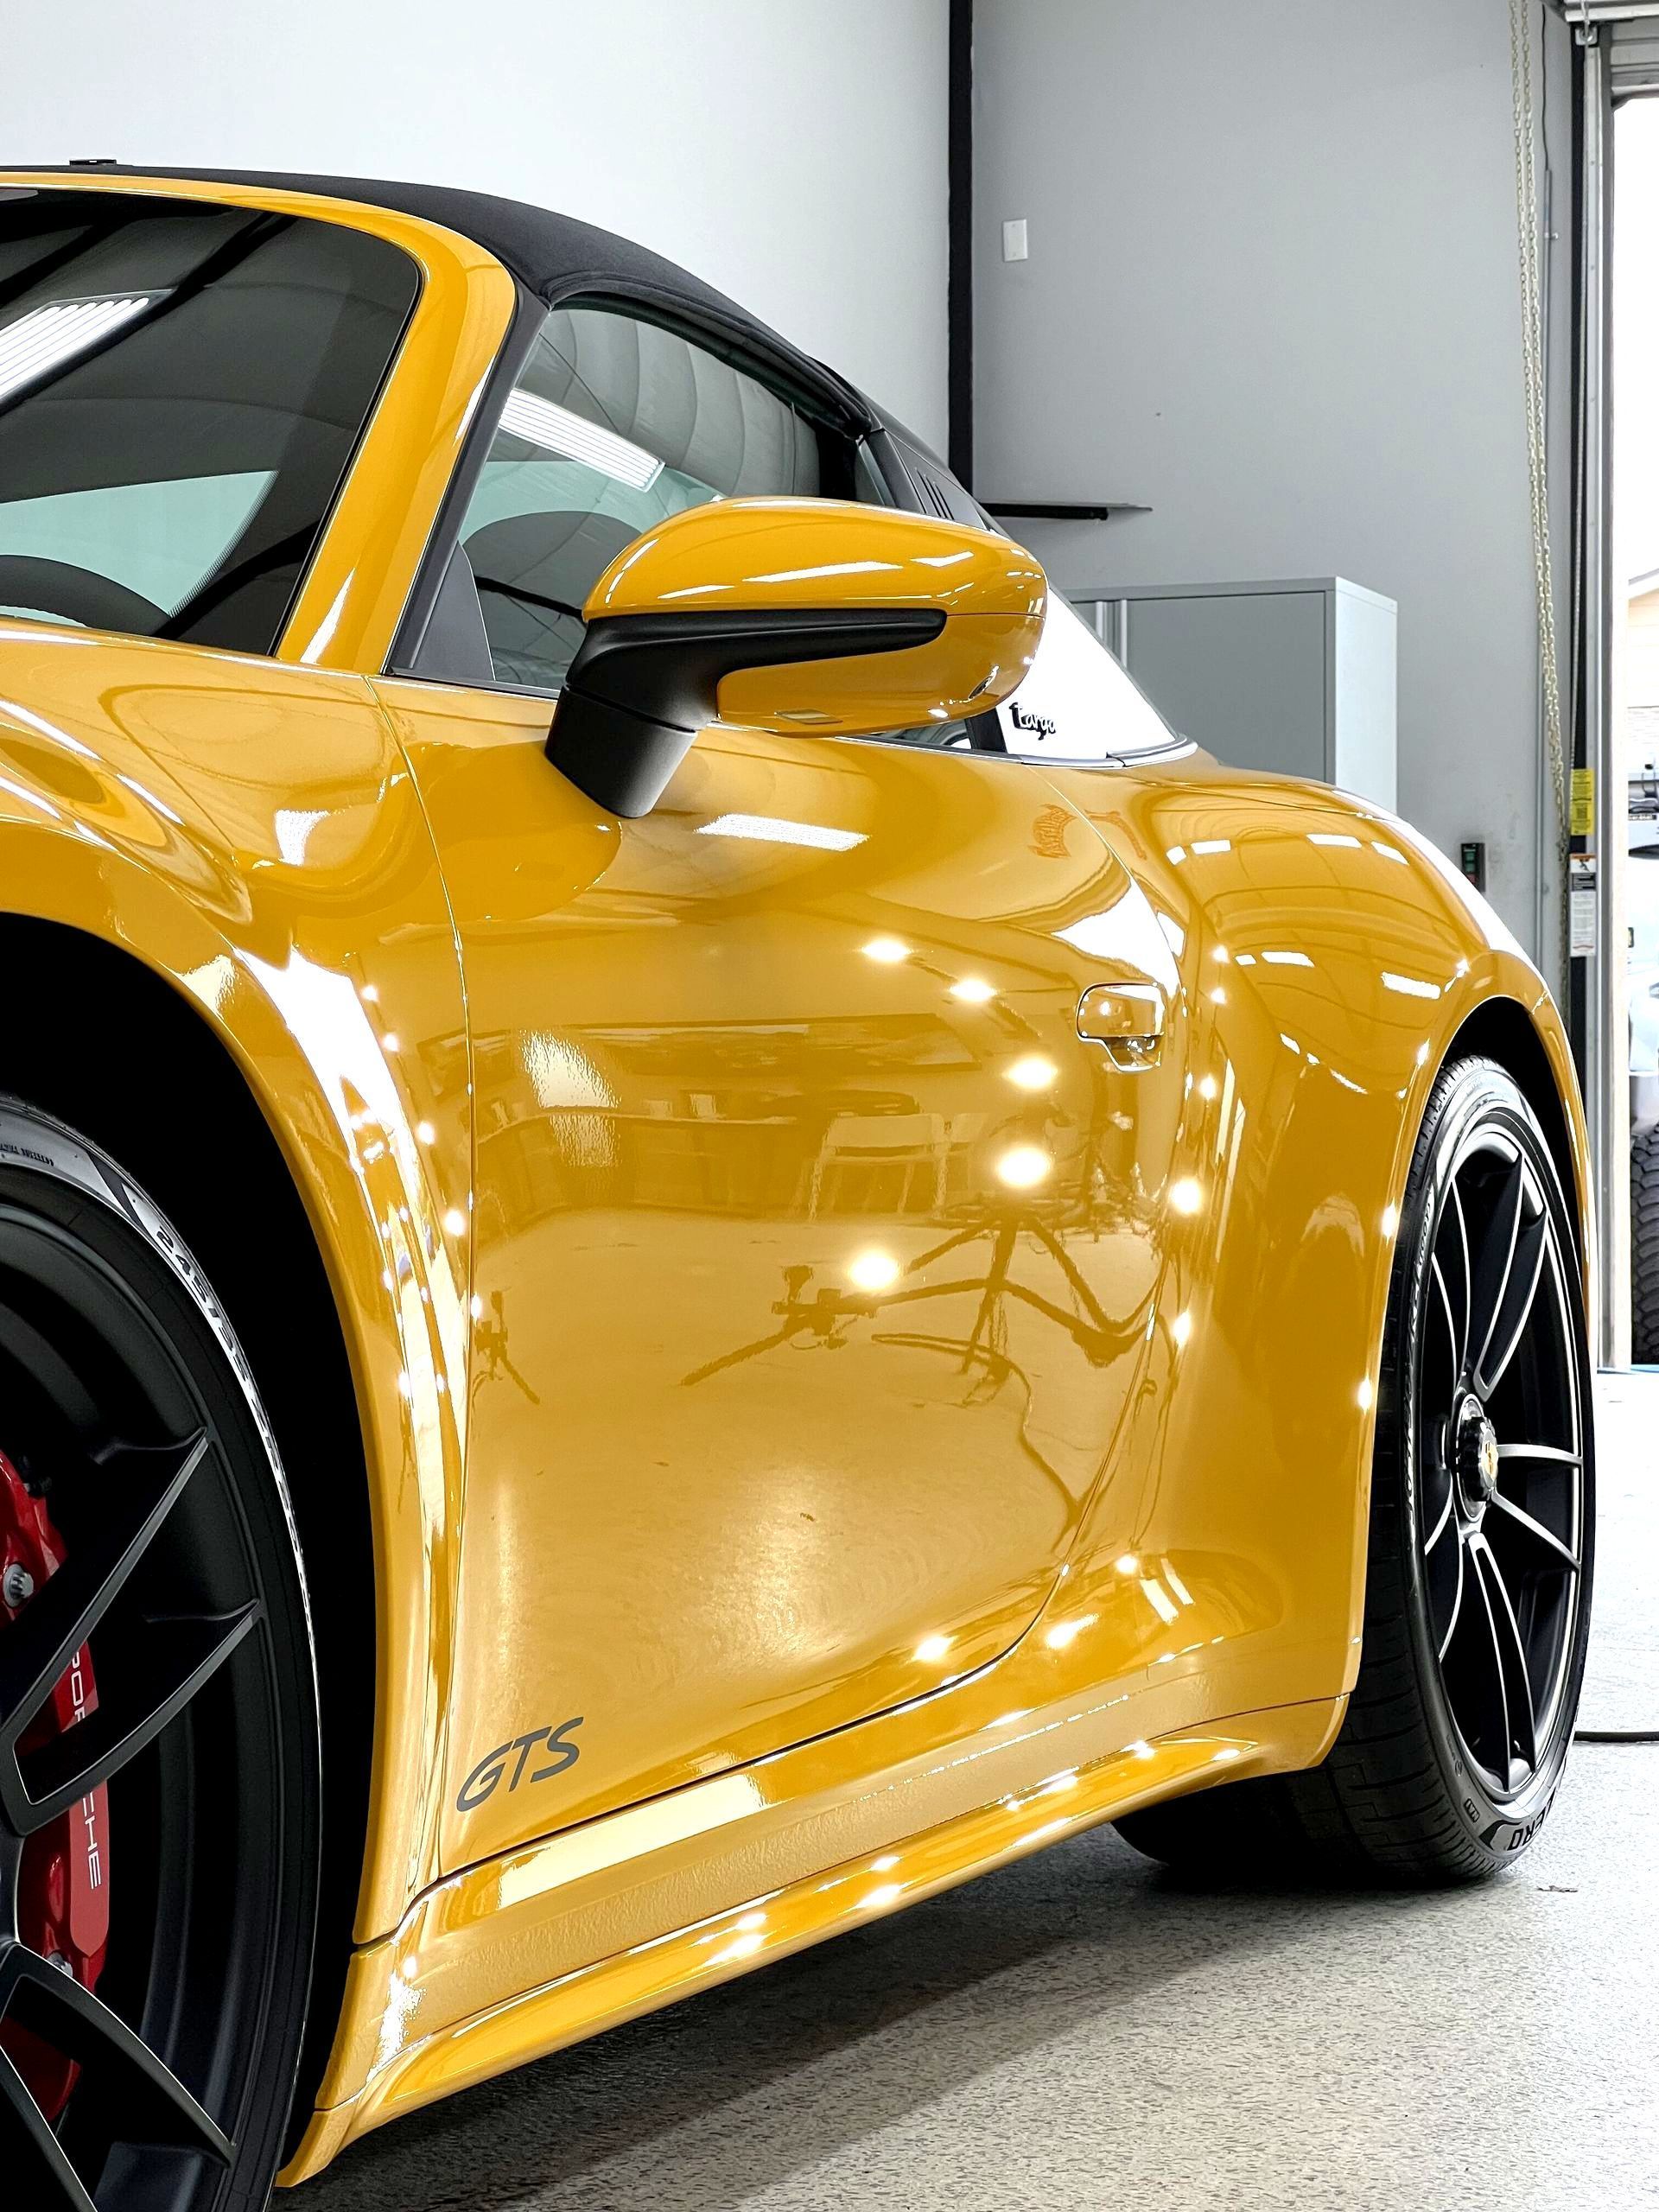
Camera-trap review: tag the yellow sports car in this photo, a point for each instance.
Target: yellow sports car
(694, 1237)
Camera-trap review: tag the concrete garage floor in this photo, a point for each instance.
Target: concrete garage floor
(1077, 2030)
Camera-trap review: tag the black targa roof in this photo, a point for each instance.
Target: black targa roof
(549, 254)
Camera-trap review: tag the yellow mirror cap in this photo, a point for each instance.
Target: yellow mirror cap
(751, 554)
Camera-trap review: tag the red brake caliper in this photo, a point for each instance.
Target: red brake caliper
(63, 1901)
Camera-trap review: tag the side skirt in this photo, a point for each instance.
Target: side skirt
(433, 2015)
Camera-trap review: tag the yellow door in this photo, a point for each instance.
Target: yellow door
(810, 1270)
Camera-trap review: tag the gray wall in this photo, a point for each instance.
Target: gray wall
(757, 141)
(1272, 294)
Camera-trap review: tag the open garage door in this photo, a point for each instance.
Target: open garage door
(1616, 862)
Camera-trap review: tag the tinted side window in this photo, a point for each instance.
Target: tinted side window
(613, 425)
(182, 388)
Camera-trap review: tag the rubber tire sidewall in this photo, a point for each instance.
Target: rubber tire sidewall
(1469, 1092)
(85, 1193)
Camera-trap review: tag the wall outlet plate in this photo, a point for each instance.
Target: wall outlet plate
(1016, 242)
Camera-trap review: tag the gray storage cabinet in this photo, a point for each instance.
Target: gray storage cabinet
(1298, 676)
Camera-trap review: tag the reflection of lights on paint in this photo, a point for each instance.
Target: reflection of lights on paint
(1221, 953)
(1181, 1328)
(1127, 1564)
(1365, 1396)
(1159, 1599)
(932, 1649)
(1023, 1166)
(1207, 1087)
(370, 994)
(456, 1222)
(1227, 1754)
(885, 1864)
(388, 1043)
(1411, 986)
(887, 951)
(1066, 1632)
(426, 1133)
(1391, 1220)
(1218, 997)
(873, 1270)
(1186, 1195)
(973, 991)
(1033, 1071)
(1047, 1834)
(1141, 1750)
(888, 1893)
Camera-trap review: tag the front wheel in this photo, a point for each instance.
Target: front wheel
(159, 1786)
(1482, 1536)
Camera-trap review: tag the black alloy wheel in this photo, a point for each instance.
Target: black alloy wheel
(1482, 1537)
(159, 1784)
(1501, 1455)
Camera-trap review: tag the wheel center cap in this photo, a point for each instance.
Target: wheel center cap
(1477, 1454)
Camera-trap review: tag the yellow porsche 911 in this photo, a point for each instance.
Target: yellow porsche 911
(694, 1237)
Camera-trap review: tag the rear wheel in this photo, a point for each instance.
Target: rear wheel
(159, 1790)
(1482, 1534)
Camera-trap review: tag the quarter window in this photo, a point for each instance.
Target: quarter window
(182, 388)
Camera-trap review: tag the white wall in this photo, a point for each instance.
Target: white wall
(791, 151)
(1273, 293)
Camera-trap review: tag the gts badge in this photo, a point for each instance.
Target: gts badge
(1035, 725)
(488, 1774)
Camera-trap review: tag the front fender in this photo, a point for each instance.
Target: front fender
(1330, 961)
(248, 833)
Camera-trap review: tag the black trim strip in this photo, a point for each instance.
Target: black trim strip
(641, 686)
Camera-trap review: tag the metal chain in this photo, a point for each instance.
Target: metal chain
(1532, 354)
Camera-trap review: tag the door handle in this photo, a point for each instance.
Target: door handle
(1128, 1018)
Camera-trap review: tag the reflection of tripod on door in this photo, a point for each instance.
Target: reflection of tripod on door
(821, 1322)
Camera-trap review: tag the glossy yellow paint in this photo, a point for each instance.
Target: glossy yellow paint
(250, 832)
(786, 1132)
(785, 556)
(817, 1862)
(783, 1341)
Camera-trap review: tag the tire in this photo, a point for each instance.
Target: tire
(1644, 1247)
(182, 1786)
(1459, 1726)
